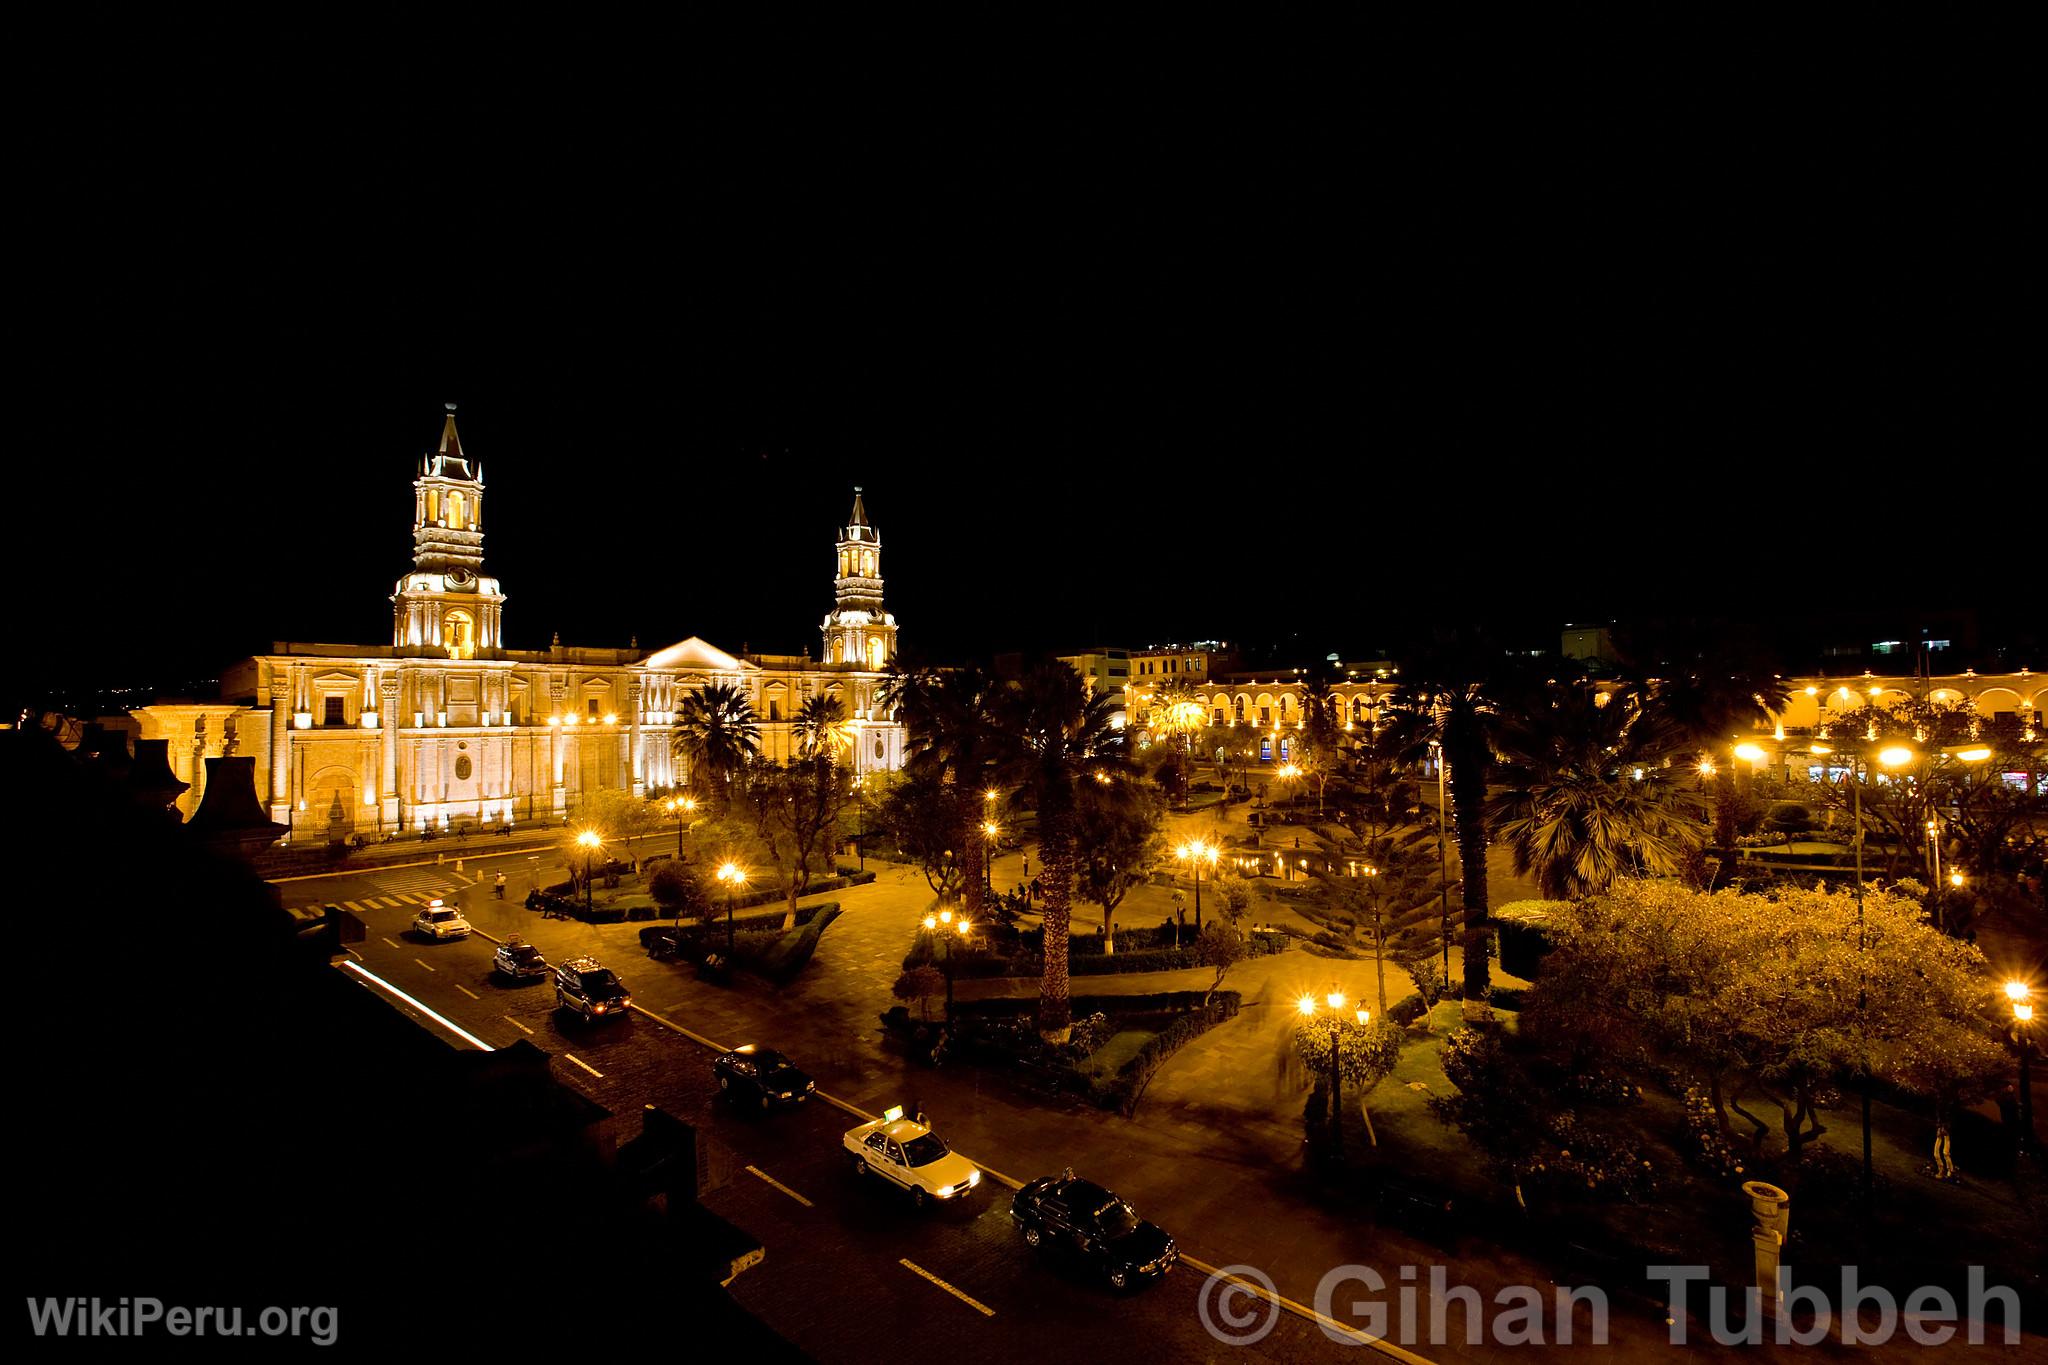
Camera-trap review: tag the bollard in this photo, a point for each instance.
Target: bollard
(1772, 1208)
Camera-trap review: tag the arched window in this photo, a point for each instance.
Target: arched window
(839, 651)
(455, 509)
(458, 635)
(877, 658)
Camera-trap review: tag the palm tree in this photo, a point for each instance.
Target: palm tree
(715, 731)
(1582, 789)
(1449, 699)
(820, 728)
(1056, 735)
(951, 721)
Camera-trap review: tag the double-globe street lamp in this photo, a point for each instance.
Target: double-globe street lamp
(590, 842)
(680, 807)
(1336, 1025)
(734, 876)
(946, 928)
(1194, 853)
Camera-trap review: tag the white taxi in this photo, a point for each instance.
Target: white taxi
(907, 1153)
(440, 922)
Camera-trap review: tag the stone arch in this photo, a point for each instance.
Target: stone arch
(1993, 700)
(333, 801)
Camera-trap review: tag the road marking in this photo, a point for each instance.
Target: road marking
(467, 991)
(354, 905)
(423, 964)
(757, 1171)
(585, 1065)
(352, 952)
(516, 1024)
(916, 1269)
(371, 869)
(439, 1018)
(1330, 1325)
(394, 943)
(388, 902)
(410, 899)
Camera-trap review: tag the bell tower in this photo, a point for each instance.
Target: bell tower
(858, 631)
(445, 606)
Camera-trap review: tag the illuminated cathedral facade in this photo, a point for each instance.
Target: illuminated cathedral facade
(446, 727)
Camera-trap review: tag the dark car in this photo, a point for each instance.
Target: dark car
(1086, 1220)
(519, 960)
(762, 1076)
(590, 988)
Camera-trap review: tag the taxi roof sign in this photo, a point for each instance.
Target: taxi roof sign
(891, 1115)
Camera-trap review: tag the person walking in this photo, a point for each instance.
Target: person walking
(498, 886)
(1944, 1163)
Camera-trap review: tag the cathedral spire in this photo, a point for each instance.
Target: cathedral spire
(451, 444)
(860, 511)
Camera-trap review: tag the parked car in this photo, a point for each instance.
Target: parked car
(1084, 1219)
(519, 960)
(590, 988)
(439, 922)
(762, 1076)
(908, 1154)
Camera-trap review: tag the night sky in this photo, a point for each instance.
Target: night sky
(1119, 353)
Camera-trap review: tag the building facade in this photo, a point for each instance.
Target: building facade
(446, 727)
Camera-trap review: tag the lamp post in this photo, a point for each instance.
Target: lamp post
(935, 924)
(2022, 1027)
(1195, 853)
(1443, 864)
(734, 876)
(590, 843)
(989, 829)
(1337, 1024)
(680, 806)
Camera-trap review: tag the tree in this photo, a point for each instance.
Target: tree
(1779, 996)
(1057, 737)
(796, 812)
(716, 735)
(1364, 1054)
(1176, 716)
(1430, 985)
(1379, 881)
(1233, 895)
(1220, 947)
(918, 813)
(951, 719)
(1583, 790)
(820, 729)
(920, 984)
(1116, 840)
(678, 891)
(1451, 700)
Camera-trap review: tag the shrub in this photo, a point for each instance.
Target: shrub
(1406, 1010)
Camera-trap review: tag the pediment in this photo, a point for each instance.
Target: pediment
(698, 653)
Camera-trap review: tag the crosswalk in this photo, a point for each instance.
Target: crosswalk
(400, 888)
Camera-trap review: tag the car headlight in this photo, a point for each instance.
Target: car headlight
(597, 1009)
(973, 1179)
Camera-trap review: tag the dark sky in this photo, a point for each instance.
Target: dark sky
(1120, 351)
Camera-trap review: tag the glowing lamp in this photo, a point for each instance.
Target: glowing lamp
(1307, 1004)
(2017, 990)
(1335, 1000)
(1895, 756)
(1752, 753)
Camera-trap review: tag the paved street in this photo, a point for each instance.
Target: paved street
(1213, 1155)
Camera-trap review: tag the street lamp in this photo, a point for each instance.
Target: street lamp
(590, 843)
(933, 925)
(1443, 863)
(990, 829)
(2022, 1021)
(734, 876)
(1195, 853)
(1337, 1025)
(680, 806)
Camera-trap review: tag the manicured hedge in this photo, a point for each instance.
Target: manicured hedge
(702, 933)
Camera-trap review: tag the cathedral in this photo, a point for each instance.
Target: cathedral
(446, 727)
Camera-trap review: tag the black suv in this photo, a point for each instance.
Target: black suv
(587, 986)
(1087, 1220)
(763, 1076)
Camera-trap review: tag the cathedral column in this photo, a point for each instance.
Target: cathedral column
(639, 781)
(389, 805)
(280, 747)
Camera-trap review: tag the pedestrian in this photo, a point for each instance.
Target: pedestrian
(1037, 889)
(498, 886)
(1944, 1164)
